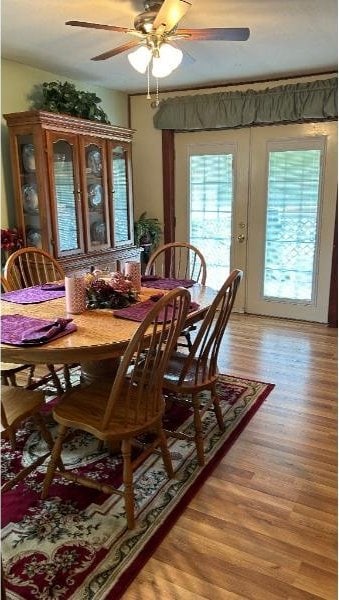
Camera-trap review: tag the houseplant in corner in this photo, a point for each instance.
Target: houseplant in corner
(147, 234)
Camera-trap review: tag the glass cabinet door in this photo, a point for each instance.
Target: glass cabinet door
(29, 191)
(121, 195)
(67, 198)
(95, 194)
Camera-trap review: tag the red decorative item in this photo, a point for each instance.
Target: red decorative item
(11, 240)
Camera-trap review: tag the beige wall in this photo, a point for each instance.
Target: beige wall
(147, 146)
(17, 82)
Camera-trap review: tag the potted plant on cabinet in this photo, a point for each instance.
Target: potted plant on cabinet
(147, 234)
(65, 98)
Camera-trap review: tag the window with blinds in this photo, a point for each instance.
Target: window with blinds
(211, 198)
(292, 224)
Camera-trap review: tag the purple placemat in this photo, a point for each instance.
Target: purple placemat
(33, 295)
(137, 312)
(15, 327)
(152, 281)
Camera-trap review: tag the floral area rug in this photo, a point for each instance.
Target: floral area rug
(75, 545)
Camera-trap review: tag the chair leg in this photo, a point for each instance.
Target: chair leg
(217, 409)
(3, 589)
(188, 339)
(11, 437)
(54, 461)
(30, 375)
(44, 431)
(67, 377)
(55, 379)
(199, 438)
(166, 457)
(128, 483)
(12, 379)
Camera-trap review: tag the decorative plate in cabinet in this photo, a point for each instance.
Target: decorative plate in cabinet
(28, 158)
(30, 198)
(98, 232)
(33, 237)
(95, 195)
(94, 162)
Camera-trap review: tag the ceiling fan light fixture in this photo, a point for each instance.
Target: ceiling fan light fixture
(140, 58)
(169, 59)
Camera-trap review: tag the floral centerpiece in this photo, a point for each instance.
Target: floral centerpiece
(116, 292)
(11, 240)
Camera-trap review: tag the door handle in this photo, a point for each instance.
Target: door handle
(241, 238)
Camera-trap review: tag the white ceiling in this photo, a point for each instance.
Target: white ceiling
(288, 38)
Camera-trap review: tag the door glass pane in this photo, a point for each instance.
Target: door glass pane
(65, 193)
(292, 224)
(121, 207)
(211, 198)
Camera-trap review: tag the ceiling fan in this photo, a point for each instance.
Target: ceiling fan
(154, 28)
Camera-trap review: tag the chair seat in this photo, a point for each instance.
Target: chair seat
(195, 377)
(10, 370)
(84, 408)
(19, 406)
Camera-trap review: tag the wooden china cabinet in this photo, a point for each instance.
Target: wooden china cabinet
(73, 188)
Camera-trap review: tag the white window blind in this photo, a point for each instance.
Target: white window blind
(292, 224)
(211, 197)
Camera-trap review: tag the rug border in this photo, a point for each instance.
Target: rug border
(128, 576)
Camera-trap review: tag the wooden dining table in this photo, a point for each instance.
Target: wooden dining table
(100, 338)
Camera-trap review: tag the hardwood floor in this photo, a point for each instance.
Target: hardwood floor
(264, 525)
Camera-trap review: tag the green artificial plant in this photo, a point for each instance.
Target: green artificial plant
(64, 98)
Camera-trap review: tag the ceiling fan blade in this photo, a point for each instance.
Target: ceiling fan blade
(169, 15)
(116, 50)
(97, 26)
(228, 34)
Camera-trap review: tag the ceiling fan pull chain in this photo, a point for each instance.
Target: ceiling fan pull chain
(148, 92)
(157, 93)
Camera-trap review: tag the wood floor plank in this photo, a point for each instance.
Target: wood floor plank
(268, 513)
(158, 576)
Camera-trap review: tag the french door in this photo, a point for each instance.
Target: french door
(263, 200)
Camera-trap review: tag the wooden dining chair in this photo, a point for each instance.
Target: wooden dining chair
(133, 405)
(10, 370)
(179, 260)
(191, 374)
(17, 405)
(32, 266)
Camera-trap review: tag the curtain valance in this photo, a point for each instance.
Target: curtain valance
(315, 100)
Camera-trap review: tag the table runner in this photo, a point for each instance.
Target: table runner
(164, 283)
(35, 294)
(137, 312)
(16, 328)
